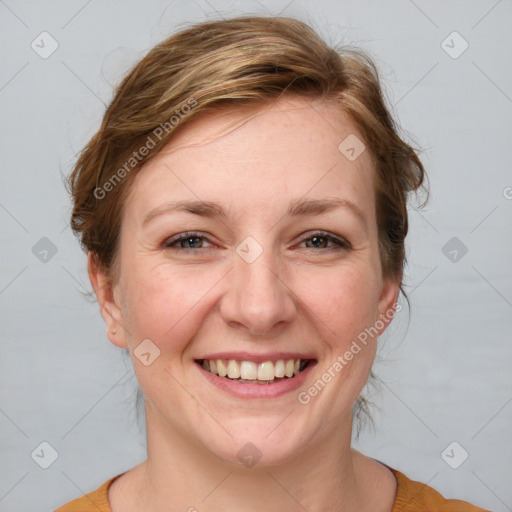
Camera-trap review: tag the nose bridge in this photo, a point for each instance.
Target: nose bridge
(257, 297)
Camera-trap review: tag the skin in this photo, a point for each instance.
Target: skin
(294, 297)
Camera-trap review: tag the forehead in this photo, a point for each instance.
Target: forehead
(258, 156)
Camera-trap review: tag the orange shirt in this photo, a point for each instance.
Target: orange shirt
(411, 496)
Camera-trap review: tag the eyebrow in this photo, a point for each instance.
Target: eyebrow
(296, 208)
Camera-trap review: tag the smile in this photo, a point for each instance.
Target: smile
(250, 372)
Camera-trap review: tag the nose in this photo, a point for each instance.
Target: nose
(259, 300)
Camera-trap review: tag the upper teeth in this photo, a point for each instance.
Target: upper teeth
(249, 370)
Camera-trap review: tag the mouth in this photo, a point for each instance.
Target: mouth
(251, 372)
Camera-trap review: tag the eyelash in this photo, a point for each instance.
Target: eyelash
(340, 242)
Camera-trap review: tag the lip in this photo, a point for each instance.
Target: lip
(240, 390)
(256, 358)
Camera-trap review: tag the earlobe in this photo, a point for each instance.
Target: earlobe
(109, 309)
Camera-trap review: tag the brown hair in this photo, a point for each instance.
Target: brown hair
(240, 61)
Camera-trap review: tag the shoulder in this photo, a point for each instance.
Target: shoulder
(95, 501)
(413, 496)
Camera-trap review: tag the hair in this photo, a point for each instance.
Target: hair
(242, 61)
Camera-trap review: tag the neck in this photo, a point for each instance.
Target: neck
(182, 475)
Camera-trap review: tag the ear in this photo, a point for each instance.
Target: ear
(387, 303)
(109, 307)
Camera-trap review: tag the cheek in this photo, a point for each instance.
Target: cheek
(165, 306)
(168, 302)
(343, 305)
(164, 302)
(342, 301)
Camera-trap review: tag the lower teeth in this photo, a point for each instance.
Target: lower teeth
(245, 381)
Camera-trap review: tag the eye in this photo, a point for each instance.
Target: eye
(319, 240)
(191, 238)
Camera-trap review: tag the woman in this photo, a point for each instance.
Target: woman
(243, 207)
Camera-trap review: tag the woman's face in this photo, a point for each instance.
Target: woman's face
(257, 284)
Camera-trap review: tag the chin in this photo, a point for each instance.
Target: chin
(257, 442)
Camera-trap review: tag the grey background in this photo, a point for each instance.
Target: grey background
(446, 377)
